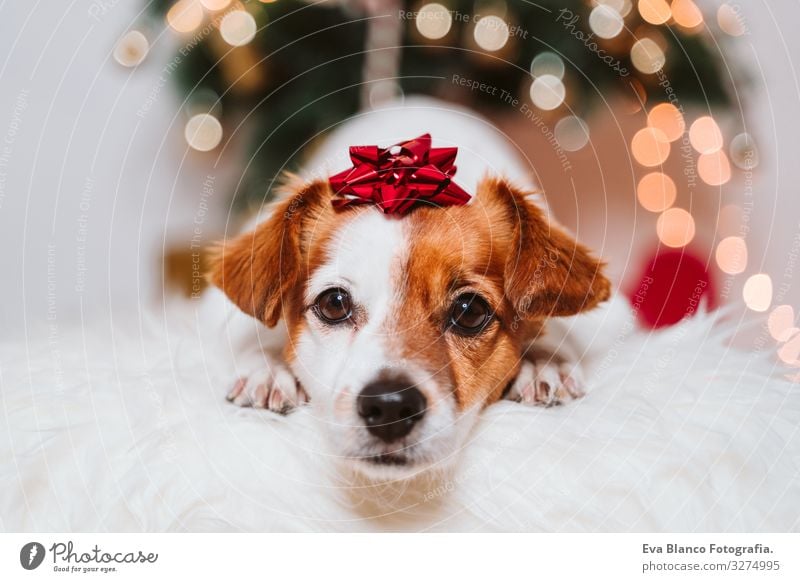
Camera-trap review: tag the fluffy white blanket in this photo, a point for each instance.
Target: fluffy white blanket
(126, 428)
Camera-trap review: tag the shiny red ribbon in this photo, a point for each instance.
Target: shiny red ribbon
(398, 177)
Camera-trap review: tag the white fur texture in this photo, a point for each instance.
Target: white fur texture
(127, 428)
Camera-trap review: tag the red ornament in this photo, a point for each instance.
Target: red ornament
(675, 284)
(398, 177)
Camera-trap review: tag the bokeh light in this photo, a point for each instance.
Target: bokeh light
(675, 227)
(714, 169)
(238, 28)
(215, 5)
(203, 132)
(667, 118)
(491, 33)
(757, 292)
(654, 11)
(730, 21)
(790, 352)
(572, 133)
(624, 7)
(185, 15)
(781, 323)
(744, 153)
(547, 63)
(647, 56)
(656, 192)
(686, 13)
(131, 49)
(547, 92)
(731, 255)
(606, 21)
(434, 21)
(705, 135)
(650, 147)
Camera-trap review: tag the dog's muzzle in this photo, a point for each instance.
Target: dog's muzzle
(391, 408)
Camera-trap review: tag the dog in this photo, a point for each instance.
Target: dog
(399, 330)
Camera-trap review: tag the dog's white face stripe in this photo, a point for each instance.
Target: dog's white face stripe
(362, 257)
(363, 254)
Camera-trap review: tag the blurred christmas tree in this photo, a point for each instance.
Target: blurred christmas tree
(289, 69)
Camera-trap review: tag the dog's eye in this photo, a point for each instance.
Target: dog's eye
(469, 314)
(333, 306)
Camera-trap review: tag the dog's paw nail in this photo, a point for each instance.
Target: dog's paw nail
(542, 392)
(546, 384)
(572, 381)
(238, 386)
(260, 396)
(243, 400)
(277, 401)
(571, 387)
(302, 397)
(272, 387)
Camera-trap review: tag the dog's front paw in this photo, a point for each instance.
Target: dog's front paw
(272, 386)
(547, 383)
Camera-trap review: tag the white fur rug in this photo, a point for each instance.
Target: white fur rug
(126, 428)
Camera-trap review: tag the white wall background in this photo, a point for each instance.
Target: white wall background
(771, 52)
(94, 173)
(77, 162)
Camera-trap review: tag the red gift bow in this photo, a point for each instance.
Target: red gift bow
(397, 177)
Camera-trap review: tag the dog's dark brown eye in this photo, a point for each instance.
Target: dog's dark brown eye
(333, 306)
(470, 314)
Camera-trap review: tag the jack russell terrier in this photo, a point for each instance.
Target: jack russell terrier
(398, 309)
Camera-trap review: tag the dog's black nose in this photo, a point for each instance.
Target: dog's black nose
(390, 408)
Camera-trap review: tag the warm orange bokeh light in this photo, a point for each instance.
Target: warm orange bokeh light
(185, 15)
(705, 135)
(656, 192)
(714, 169)
(668, 119)
(215, 4)
(655, 11)
(686, 13)
(731, 255)
(781, 323)
(675, 227)
(650, 146)
(790, 352)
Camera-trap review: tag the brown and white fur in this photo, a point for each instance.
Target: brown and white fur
(403, 275)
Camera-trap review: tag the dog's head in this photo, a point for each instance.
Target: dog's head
(402, 329)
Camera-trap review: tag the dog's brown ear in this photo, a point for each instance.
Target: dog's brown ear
(547, 273)
(258, 269)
